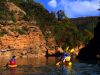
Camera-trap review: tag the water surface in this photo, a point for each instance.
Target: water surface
(46, 66)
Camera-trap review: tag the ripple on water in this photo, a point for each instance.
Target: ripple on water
(86, 69)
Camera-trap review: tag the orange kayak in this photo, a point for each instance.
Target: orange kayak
(12, 65)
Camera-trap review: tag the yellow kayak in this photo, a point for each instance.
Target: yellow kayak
(67, 63)
(12, 65)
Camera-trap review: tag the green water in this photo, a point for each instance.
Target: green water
(43, 66)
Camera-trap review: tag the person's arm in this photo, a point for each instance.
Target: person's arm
(7, 64)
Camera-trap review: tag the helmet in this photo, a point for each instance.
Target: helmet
(13, 56)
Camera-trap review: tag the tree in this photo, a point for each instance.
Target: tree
(60, 15)
(30, 1)
(3, 1)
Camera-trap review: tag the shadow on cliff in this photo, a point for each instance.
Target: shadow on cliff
(57, 54)
(92, 50)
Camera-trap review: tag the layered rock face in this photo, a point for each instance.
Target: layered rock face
(29, 44)
(22, 38)
(92, 50)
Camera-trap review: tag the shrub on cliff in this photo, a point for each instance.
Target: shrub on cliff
(5, 15)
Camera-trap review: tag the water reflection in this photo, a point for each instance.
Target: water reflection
(46, 66)
(63, 70)
(13, 71)
(86, 69)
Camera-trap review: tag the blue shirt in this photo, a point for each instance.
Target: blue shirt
(64, 55)
(12, 59)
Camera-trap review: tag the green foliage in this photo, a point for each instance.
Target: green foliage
(87, 35)
(5, 14)
(20, 31)
(24, 28)
(3, 32)
(60, 15)
(17, 2)
(85, 23)
(67, 32)
(2, 1)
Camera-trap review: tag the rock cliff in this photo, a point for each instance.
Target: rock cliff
(30, 42)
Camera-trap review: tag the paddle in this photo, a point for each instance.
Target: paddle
(58, 63)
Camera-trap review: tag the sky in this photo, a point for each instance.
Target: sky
(72, 8)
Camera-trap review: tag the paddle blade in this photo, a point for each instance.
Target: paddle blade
(70, 63)
(58, 63)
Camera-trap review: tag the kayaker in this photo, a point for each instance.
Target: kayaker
(12, 61)
(63, 57)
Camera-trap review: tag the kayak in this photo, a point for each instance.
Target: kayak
(67, 63)
(12, 65)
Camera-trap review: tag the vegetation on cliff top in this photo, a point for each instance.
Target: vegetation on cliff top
(67, 32)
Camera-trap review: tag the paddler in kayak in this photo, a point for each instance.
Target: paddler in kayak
(63, 57)
(12, 62)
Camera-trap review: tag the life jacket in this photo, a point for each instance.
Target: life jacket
(12, 62)
(64, 55)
